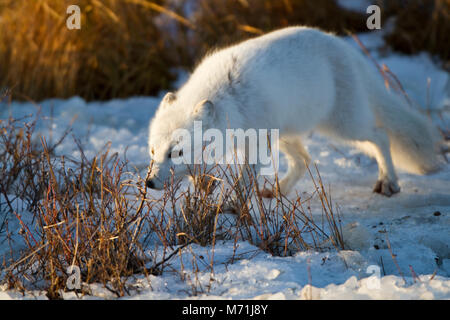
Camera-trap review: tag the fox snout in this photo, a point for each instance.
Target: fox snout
(150, 183)
(155, 183)
(162, 176)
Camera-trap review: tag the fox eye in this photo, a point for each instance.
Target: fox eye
(175, 154)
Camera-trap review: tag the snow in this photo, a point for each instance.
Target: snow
(387, 238)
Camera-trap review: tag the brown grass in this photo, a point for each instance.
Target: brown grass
(41, 58)
(81, 212)
(96, 214)
(130, 47)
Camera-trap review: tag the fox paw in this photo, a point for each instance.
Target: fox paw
(386, 187)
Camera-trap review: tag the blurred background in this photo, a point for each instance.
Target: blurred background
(137, 47)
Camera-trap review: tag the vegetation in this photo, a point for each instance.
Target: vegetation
(132, 47)
(96, 214)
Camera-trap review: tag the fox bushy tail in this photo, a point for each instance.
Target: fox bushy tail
(415, 141)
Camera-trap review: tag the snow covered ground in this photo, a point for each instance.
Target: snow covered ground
(415, 222)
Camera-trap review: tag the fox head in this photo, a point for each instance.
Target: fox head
(171, 138)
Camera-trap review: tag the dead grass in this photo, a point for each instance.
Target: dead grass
(131, 47)
(97, 215)
(80, 215)
(41, 58)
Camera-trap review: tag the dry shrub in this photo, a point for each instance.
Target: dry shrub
(97, 215)
(79, 213)
(118, 51)
(225, 208)
(284, 225)
(19, 160)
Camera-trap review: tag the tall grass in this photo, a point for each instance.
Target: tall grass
(118, 51)
(131, 47)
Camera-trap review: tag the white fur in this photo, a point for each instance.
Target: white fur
(298, 80)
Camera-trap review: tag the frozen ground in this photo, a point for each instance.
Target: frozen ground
(416, 222)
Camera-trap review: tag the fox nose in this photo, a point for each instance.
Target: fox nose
(150, 184)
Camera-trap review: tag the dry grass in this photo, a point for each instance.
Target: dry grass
(130, 47)
(80, 215)
(41, 58)
(224, 22)
(97, 215)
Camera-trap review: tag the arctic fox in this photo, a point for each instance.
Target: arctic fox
(297, 80)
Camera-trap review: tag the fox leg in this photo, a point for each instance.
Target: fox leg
(375, 142)
(378, 146)
(297, 157)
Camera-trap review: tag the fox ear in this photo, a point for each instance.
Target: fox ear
(169, 98)
(204, 106)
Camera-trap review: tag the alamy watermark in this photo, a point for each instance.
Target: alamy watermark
(374, 20)
(73, 21)
(73, 282)
(234, 146)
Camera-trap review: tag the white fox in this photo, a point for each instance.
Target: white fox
(297, 80)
